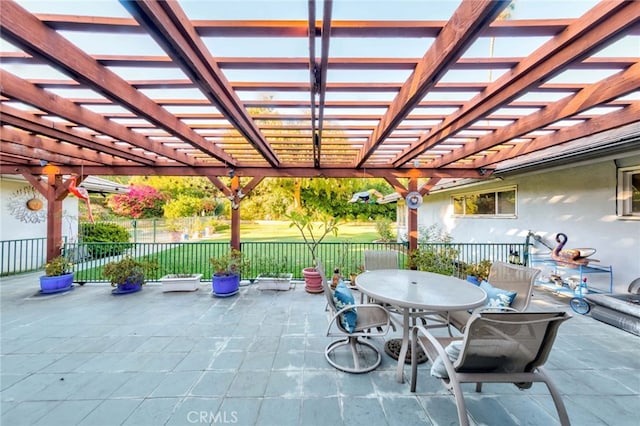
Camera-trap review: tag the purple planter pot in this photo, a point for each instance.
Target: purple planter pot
(131, 285)
(473, 279)
(56, 284)
(225, 285)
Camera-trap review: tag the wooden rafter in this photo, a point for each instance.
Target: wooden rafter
(590, 33)
(168, 24)
(27, 32)
(462, 29)
(96, 115)
(598, 93)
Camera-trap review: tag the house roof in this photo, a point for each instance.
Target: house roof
(440, 90)
(90, 183)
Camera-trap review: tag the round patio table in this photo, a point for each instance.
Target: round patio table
(410, 290)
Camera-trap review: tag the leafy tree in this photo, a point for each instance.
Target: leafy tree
(173, 186)
(188, 205)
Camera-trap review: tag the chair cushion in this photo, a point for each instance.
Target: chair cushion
(343, 297)
(453, 352)
(497, 297)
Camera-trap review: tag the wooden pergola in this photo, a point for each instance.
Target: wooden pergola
(452, 109)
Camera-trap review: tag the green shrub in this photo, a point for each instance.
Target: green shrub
(105, 233)
(383, 227)
(435, 253)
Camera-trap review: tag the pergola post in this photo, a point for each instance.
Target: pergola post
(54, 217)
(54, 192)
(235, 193)
(412, 221)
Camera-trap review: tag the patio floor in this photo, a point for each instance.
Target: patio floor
(86, 357)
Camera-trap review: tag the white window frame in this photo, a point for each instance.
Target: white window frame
(624, 193)
(488, 191)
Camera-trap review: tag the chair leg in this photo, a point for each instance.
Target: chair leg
(479, 387)
(414, 364)
(353, 342)
(557, 399)
(463, 418)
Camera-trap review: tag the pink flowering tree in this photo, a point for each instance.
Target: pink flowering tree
(142, 201)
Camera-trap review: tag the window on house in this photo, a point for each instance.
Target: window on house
(501, 202)
(629, 191)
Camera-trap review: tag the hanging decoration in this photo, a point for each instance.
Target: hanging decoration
(26, 205)
(82, 194)
(414, 200)
(366, 197)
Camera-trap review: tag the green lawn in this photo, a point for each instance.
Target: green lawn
(274, 231)
(189, 257)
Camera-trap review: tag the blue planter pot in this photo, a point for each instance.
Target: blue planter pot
(131, 285)
(56, 284)
(225, 285)
(473, 279)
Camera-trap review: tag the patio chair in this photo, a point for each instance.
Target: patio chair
(379, 259)
(497, 347)
(504, 276)
(369, 320)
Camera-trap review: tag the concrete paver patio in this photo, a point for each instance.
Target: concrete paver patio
(86, 357)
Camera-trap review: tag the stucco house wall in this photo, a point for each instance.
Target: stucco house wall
(578, 200)
(11, 228)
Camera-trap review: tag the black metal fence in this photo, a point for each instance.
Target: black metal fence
(18, 256)
(193, 257)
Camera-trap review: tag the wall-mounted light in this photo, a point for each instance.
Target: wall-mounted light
(43, 163)
(416, 163)
(232, 173)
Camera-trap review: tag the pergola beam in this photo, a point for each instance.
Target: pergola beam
(15, 87)
(601, 123)
(38, 125)
(591, 32)
(279, 63)
(335, 172)
(170, 27)
(469, 19)
(30, 34)
(610, 88)
(297, 28)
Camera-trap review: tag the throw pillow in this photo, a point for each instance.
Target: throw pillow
(497, 297)
(453, 352)
(343, 297)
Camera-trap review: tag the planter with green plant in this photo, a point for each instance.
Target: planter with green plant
(478, 272)
(228, 269)
(273, 274)
(313, 233)
(128, 275)
(58, 276)
(435, 252)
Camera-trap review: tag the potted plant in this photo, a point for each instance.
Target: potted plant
(58, 276)
(313, 234)
(478, 272)
(273, 275)
(227, 270)
(128, 275)
(354, 273)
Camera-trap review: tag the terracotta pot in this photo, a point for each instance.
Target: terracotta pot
(312, 280)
